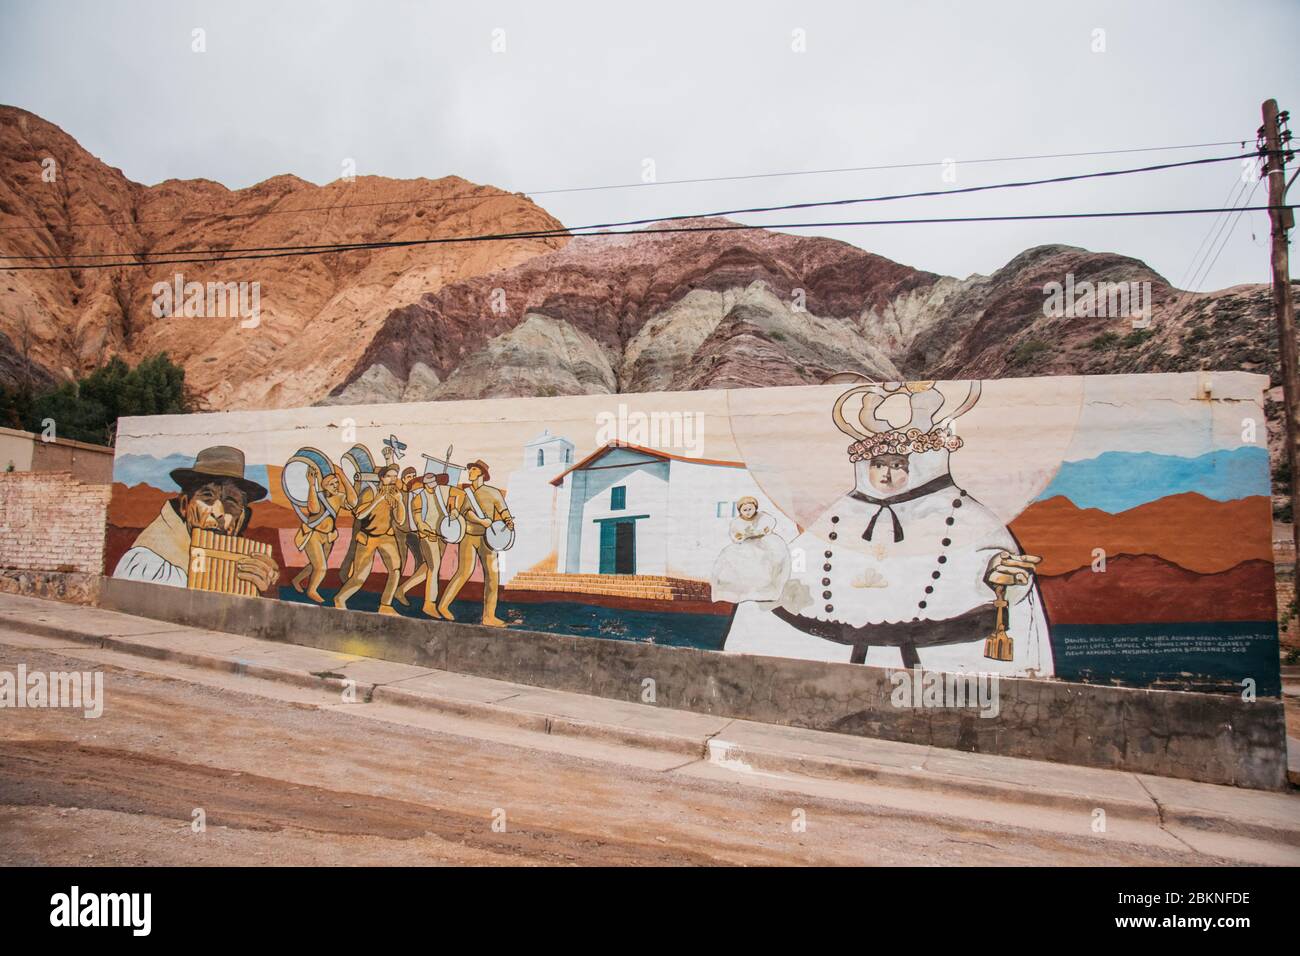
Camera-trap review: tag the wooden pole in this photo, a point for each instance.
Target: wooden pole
(1283, 307)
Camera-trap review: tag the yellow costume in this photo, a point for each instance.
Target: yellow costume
(316, 537)
(377, 515)
(431, 544)
(493, 505)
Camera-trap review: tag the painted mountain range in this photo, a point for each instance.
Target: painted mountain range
(1136, 537)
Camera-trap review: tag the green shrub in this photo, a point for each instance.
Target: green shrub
(1027, 352)
(88, 409)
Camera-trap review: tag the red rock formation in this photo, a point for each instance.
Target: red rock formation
(650, 310)
(718, 309)
(603, 314)
(318, 314)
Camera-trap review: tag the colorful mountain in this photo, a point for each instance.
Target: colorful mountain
(146, 469)
(134, 506)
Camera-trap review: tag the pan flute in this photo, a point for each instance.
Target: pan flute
(213, 558)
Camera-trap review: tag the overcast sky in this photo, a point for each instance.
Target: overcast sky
(584, 93)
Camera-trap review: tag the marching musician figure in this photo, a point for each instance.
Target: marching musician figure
(426, 516)
(378, 514)
(214, 496)
(405, 531)
(326, 497)
(489, 505)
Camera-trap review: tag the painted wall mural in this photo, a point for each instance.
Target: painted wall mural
(1112, 529)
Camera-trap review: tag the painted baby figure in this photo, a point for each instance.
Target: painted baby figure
(907, 568)
(756, 564)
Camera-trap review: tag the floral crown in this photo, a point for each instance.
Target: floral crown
(938, 438)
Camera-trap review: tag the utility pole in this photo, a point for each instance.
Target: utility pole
(1276, 151)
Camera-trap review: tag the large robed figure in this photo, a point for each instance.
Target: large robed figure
(906, 568)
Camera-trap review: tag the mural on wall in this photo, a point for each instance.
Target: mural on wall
(906, 559)
(1109, 529)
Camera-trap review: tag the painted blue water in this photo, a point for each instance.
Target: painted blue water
(1212, 656)
(702, 631)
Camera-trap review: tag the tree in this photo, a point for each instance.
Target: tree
(88, 409)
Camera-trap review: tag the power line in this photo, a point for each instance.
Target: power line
(479, 193)
(724, 213)
(890, 166)
(730, 227)
(1231, 199)
(1205, 274)
(1186, 283)
(1235, 196)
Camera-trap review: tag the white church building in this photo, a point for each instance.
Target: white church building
(532, 503)
(625, 510)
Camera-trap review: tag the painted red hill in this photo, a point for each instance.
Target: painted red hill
(1189, 530)
(137, 505)
(134, 507)
(1146, 590)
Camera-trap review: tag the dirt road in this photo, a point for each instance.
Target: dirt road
(292, 776)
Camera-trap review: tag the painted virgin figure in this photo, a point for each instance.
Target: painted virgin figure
(756, 564)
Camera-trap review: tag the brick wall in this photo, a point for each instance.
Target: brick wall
(51, 534)
(1289, 628)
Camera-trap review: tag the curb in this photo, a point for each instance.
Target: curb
(714, 749)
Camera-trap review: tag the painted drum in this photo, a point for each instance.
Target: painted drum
(293, 479)
(452, 526)
(359, 466)
(499, 537)
(451, 529)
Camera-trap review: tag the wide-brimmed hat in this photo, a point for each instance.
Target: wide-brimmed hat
(219, 462)
(481, 465)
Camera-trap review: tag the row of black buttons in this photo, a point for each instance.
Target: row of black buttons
(943, 559)
(827, 567)
(935, 575)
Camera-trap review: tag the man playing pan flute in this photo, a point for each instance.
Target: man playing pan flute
(214, 496)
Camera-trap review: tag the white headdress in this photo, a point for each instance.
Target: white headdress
(926, 433)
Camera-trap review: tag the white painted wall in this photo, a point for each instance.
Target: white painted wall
(647, 494)
(698, 532)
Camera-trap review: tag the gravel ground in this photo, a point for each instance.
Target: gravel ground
(284, 781)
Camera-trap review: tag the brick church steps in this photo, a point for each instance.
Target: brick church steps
(649, 586)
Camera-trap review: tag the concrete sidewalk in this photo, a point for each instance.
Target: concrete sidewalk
(760, 752)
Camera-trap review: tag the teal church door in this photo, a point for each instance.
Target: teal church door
(618, 547)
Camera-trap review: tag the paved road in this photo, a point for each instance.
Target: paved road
(290, 775)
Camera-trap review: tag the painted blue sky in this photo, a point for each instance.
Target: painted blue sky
(146, 469)
(1115, 481)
